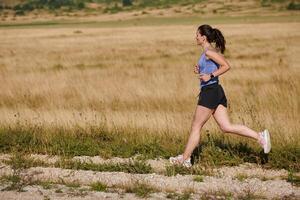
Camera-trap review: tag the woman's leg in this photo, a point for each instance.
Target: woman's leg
(201, 115)
(222, 119)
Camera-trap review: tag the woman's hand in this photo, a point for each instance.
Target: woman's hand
(204, 77)
(196, 69)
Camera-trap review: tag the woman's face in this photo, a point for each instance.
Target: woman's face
(199, 38)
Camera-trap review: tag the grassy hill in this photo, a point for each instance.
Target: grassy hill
(23, 7)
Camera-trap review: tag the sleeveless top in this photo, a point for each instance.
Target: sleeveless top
(207, 66)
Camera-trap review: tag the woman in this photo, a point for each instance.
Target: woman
(212, 99)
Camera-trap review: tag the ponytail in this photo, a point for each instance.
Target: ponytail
(219, 40)
(213, 35)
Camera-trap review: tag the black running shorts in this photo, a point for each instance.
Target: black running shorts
(211, 96)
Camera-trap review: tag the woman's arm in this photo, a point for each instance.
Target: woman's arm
(224, 65)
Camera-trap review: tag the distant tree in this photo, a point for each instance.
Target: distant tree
(54, 4)
(80, 5)
(293, 6)
(127, 2)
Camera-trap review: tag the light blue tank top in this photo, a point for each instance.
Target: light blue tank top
(207, 66)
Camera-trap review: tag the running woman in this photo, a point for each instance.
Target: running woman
(212, 100)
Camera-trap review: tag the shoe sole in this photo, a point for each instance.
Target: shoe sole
(267, 149)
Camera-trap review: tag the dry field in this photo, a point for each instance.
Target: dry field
(141, 77)
(134, 87)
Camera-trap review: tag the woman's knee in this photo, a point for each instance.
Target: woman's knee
(226, 128)
(196, 126)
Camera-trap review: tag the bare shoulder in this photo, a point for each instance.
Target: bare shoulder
(213, 53)
(216, 56)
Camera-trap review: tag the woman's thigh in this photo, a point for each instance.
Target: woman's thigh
(201, 115)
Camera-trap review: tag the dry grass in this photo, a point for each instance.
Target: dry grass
(141, 77)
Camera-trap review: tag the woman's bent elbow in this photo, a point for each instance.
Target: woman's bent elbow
(228, 67)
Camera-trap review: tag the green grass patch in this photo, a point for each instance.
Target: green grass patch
(15, 182)
(20, 161)
(177, 196)
(59, 190)
(294, 179)
(198, 178)
(220, 194)
(137, 167)
(141, 190)
(88, 142)
(98, 186)
(47, 185)
(72, 185)
(286, 157)
(97, 141)
(241, 176)
(173, 170)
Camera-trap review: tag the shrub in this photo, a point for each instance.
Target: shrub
(48, 4)
(127, 2)
(293, 6)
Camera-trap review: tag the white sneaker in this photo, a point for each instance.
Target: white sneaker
(265, 140)
(179, 160)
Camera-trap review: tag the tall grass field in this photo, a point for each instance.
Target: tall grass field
(130, 90)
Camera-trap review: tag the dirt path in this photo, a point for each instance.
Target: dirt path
(244, 181)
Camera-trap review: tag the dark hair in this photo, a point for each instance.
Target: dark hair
(213, 35)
